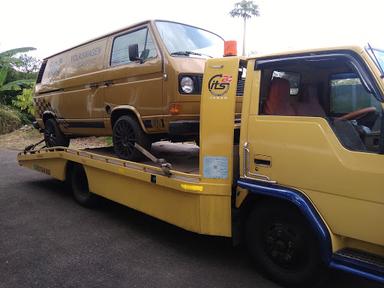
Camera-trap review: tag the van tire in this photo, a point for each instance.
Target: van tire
(127, 132)
(53, 135)
(282, 244)
(79, 185)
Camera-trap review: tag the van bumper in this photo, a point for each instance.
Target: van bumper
(184, 127)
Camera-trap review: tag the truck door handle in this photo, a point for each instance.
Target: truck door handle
(247, 174)
(262, 162)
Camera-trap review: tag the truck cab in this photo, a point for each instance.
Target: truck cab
(312, 133)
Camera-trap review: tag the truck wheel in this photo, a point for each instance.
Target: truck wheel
(53, 135)
(282, 244)
(127, 132)
(80, 189)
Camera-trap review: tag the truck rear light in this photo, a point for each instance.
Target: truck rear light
(174, 108)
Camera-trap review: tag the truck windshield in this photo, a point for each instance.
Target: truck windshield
(188, 41)
(378, 57)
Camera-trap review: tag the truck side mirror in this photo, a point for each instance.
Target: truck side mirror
(133, 52)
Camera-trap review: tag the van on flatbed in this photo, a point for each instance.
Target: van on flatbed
(139, 84)
(303, 188)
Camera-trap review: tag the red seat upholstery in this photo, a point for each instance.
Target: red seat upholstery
(309, 104)
(277, 102)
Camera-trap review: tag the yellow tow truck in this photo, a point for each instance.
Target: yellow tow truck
(301, 183)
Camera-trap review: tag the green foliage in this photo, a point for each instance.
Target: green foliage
(9, 120)
(7, 57)
(3, 75)
(9, 62)
(17, 77)
(109, 141)
(245, 9)
(18, 85)
(25, 102)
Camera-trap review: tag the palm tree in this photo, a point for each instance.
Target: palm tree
(245, 9)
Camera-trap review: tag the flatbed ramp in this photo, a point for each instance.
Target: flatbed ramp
(182, 198)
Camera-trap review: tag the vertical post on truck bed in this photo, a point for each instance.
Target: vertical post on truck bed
(217, 118)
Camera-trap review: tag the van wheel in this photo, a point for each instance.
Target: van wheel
(80, 189)
(53, 135)
(283, 245)
(127, 132)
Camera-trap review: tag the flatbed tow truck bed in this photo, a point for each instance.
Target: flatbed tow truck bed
(179, 198)
(184, 157)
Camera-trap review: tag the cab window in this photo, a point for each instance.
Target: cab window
(347, 94)
(329, 87)
(293, 79)
(142, 37)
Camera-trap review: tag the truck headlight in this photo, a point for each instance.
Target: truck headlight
(187, 85)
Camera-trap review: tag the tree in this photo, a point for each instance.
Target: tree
(28, 64)
(16, 73)
(245, 9)
(9, 61)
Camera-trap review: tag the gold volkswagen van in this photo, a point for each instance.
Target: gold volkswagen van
(139, 84)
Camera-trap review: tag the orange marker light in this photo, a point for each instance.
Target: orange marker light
(174, 108)
(230, 48)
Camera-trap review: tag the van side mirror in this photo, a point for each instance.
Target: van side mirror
(133, 52)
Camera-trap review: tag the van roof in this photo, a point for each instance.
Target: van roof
(121, 30)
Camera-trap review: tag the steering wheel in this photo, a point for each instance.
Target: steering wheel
(358, 114)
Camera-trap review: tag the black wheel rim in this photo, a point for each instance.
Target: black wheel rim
(124, 139)
(50, 135)
(284, 246)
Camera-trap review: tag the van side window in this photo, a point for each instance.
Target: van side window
(142, 37)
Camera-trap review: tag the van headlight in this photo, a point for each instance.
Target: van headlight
(186, 84)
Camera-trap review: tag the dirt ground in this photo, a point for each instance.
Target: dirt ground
(26, 135)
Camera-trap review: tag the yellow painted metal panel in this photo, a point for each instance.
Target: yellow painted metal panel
(345, 186)
(52, 167)
(182, 199)
(215, 215)
(181, 209)
(217, 114)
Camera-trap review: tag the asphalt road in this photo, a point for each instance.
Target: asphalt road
(47, 240)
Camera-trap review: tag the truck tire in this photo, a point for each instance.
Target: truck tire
(53, 135)
(283, 245)
(127, 132)
(80, 189)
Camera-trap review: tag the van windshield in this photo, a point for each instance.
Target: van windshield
(188, 41)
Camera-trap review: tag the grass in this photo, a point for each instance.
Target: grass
(9, 120)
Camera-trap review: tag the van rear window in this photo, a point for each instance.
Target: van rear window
(41, 72)
(142, 37)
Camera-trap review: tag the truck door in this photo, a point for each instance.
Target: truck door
(295, 136)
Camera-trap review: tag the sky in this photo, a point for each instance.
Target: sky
(53, 26)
